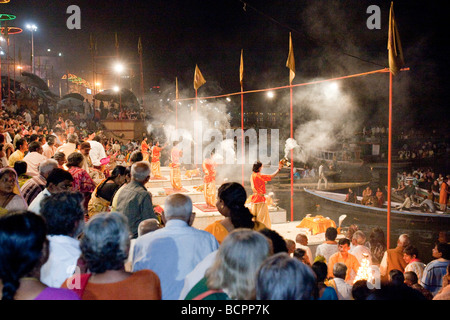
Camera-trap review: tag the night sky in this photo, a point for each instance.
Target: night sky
(330, 39)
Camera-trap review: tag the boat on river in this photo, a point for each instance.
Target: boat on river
(333, 205)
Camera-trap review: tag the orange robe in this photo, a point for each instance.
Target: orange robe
(175, 173)
(220, 232)
(258, 205)
(145, 148)
(209, 181)
(155, 163)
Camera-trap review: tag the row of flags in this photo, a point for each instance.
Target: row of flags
(395, 53)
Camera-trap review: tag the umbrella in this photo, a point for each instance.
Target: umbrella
(75, 95)
(33, 80)
(125, 96)
(71, 104)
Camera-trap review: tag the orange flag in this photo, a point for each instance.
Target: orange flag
(396, 61)
(290, 63)
(198, 78)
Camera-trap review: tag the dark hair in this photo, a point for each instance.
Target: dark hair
(321, 270)
(343, 241)
(444, 249)
(118, 170)
(331, 233)
(234, 196)
(299, 253)
(51, 139)
(20, 142)
(360, 290)
(278, 243)
(396, 276)
(61, 210)
(34, 146)
(412, 276)
(256, 166)
(20, 167)
(57, 176)
(411, 250)
(136, 156)
(22, 238)
(75, 159)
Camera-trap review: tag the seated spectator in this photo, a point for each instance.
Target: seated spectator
(64, 216)
(343, 289)
(302, 241)
(105, 246)
(10, 195)
(411, 257)
(330, 246)
(61, 158)
(277, 241)
(411, 280)
(35, 185)
(82, 181)
(232, 274)
(435, 271)
(444, 292)
(23, 249)
(33, 158)
(323, 291)
(20, 167)
(290, 244)
(102, 196)
(231, 199)
(359, 248)
(361, 290)
(173, 251)
(58, 180)
(281, 277)
(301, 255)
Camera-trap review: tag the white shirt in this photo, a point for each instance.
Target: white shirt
(172, 252)
(97, 152)
(343, 289)
(358, 252)
(33, 159)
(197, 274)
(35, 205)
(67, 148)
(62, 260)
(326, 250)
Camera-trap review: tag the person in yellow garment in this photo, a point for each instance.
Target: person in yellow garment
(209, 180)
(156, 163)
(175, 173)
(258, 205)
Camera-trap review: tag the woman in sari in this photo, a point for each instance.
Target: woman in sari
(82, 181)
(11, 198)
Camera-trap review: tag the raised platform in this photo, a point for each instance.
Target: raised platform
(160, 189)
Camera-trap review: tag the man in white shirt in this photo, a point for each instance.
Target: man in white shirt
(58, 180)
(97, 150)
(49, 148)
(70, 146)
(359, 249)
(64, 216)
(33, 158)
(175, 250)
(343, 289)
(330, 246)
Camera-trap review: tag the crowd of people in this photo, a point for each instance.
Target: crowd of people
(78, 223)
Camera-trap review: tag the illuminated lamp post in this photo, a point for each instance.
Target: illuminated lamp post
(32, 28)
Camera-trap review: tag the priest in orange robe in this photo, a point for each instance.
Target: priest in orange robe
(209, 180)
(258, 205)
(175, 173)
(156, 163)
(145, 149)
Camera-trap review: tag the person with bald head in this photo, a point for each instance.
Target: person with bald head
(173, 251)
(134, 200)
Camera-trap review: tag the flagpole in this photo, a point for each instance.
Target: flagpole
(242, 133)
(389, 162)
(176, 103)
(292, 158)
(141, 70)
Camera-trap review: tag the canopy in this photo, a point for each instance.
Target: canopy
(71, 104)
(123, 96)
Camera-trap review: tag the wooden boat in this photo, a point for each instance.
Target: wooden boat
(421, 195)
(333, 205)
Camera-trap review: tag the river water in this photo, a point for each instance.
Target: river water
(304, 204)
